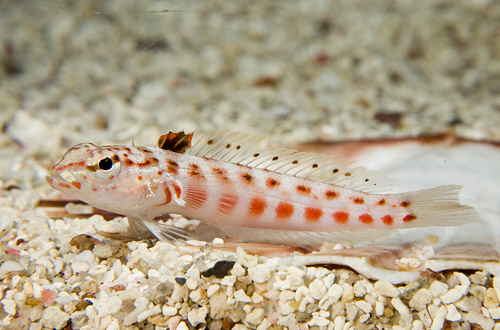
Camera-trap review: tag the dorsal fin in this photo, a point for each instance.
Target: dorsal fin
(244, 149)
(177, 142)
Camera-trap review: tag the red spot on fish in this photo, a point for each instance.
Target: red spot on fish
(128, 162)
(221, 174)
(172, 163)
(312, 213)
(330, 194)
(159, 172)
(358, 200)
(247, 178)
(195, 171)
(172, 170)
(64, 185)
(76, 184)
(284, 210)
(381, 202)
(303, 190)
(366, 218)
(84, 177)
(387, 220)
(139, 177)
(177, 190)
(405, 204)
(409, 217)
(341, 217)
(257, 206)
(227, 203)
(272, 183)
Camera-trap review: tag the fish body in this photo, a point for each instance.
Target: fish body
(270, 195)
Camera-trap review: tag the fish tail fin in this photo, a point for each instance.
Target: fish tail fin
(439, 206)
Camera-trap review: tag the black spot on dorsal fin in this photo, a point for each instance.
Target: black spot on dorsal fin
(177, 142)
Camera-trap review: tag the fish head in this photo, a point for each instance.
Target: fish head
(99, 176)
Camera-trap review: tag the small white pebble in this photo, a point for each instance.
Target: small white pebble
(453, 315)
(212, 289)
(421, 299)
(241, 296)
(319, 321)
(477, 318)
(400, 306)
(149, 312)
(169, 310)
(386, 289)
(425, 318)
(257, 298)
(237, 270)
(317, 289)
(490, 298)
(218, 241)
(259, 273)
(452, 296)
(379, 308)
(359, 289)
(463, 279)
(438, 322)
(496, 285)
(364, 306)
(363, 318)
(438, 288)
(495, 313)
(9, 306)
(9, 266)
(417, 325)
(182, 326)
(339, 322)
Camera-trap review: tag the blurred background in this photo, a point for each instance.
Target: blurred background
(297, 71)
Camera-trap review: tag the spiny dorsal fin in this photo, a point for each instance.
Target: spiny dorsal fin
(177, 142)
(244, 149)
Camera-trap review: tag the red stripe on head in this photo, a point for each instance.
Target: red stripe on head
(257, 206)
(366, 218)
(341, 217)
(312, 213)
(284, 210)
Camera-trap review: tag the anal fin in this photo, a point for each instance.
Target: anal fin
(303, 238)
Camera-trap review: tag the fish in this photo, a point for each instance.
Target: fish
(231, 182)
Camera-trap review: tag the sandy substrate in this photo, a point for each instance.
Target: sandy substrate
(117, 71)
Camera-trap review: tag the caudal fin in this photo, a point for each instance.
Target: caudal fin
(439, 206)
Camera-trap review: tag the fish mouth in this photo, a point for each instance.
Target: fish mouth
(64, 180)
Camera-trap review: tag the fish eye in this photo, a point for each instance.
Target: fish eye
(105, 164)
